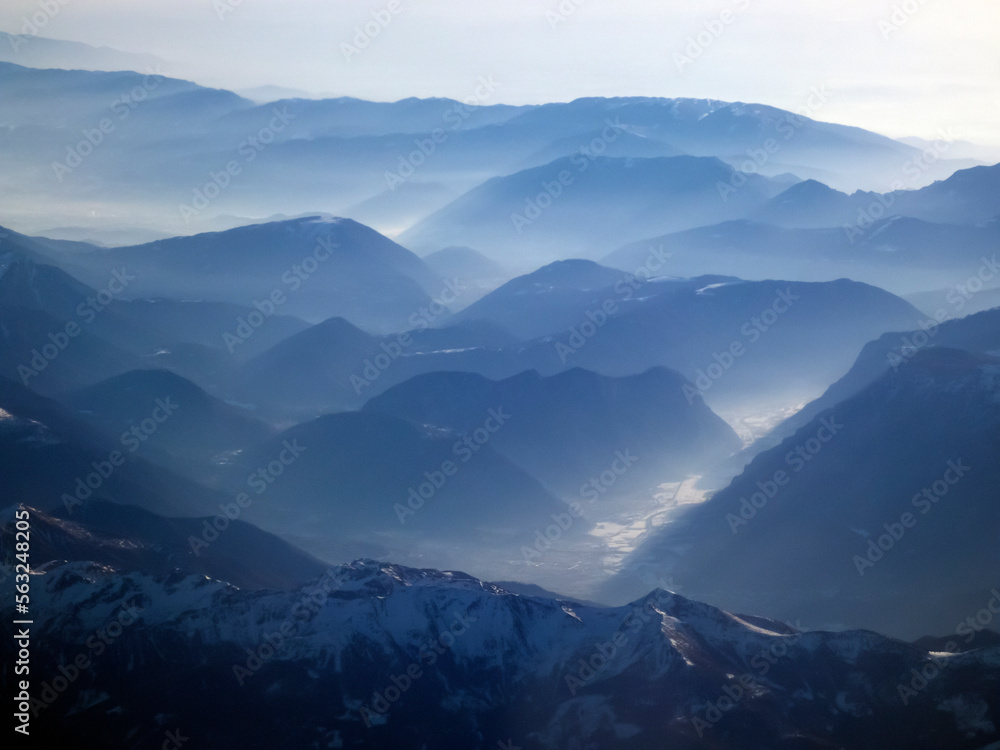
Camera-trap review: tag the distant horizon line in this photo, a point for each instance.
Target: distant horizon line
(313, 95)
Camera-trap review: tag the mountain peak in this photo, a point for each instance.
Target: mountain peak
(377, 576)
(807, 191)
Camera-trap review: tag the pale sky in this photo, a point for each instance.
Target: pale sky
(934, 65)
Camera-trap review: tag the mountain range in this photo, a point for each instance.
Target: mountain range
(817, 528)
(609, 423)
(171, 143)
(381, 655)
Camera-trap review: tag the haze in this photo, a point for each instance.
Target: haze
(938, 70)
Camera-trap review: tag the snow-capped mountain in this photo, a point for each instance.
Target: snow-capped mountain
(681, 384)
(378, 655)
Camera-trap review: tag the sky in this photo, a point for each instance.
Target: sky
(927, 68)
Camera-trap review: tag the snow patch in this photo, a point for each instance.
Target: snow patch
(971, 713)
(706, 289)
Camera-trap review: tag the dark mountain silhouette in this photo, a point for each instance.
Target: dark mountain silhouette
(311, 267)
(900, 254)
(878, 513)
(977, 334)
(565, 426)
(30, 50)
(968, 196)
(53, 460)
(362, 481)
(553, 298)
(725, 335)
(311, 370)
(578, 206)
(178, 424)
(130, 539)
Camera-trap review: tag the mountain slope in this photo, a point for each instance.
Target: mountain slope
(378, 655)
(900, 254)
(846, 157)
(976, 334)
(878, 513)
(367, 483)
(177, 423)
(553, 298)
(61, 334)
(30, 50)
(312, 267)
(51, 459)
(171, 141)
(310, 371)
(965, 197)
(130, 539)
(736, 341)
(55, 99)
(579, 206)
(563, 427)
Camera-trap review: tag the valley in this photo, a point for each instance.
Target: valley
(575, 409)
